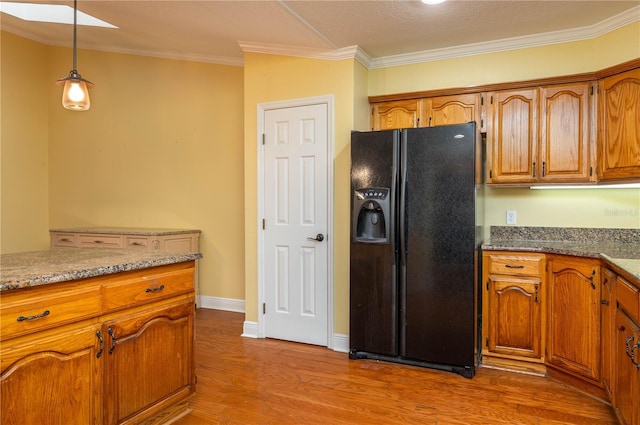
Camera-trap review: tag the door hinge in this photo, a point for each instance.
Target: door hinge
(264, 224)
(264, 308)
(264, 138)
(481, 100)
(486, 342)
(487, 284)
(492, 100)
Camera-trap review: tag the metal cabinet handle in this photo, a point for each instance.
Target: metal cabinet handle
(99, 335)
(157, 289)
(509, 266)
(319, 238)
(113, 340)
(34, 317)
(98, 241)
(633, 356)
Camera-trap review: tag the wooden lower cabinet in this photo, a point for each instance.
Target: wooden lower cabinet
(148, 359)
(126, 362)
(627, 357)
(573, 316)
(607, 327)
(54, 379)
(512, 310)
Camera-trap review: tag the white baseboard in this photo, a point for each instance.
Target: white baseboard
(226, 304)
(250, 329)
(341, 343)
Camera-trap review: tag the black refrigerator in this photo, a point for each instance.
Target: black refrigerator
(416, 232)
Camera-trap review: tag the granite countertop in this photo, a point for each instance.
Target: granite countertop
(125, 231)
(620, 247)
(26, 269)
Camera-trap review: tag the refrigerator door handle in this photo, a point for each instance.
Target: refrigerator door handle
(402, 234)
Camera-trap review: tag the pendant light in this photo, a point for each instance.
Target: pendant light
(75, 95)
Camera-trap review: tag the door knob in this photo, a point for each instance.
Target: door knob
(319, 237)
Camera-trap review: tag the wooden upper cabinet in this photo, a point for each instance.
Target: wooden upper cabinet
(512, 136)
(396, 114)
(447, 110)
(619, 126)
(565, 123)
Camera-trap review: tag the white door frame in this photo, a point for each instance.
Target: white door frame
(292, 103)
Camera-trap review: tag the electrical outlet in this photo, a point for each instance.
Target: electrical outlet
(511, 217)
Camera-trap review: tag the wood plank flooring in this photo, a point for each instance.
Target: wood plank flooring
(266, 381)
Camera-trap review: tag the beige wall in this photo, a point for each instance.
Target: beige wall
(24, 165)
(161, 146)
(276, 78)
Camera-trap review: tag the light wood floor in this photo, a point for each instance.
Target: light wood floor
(265, 381)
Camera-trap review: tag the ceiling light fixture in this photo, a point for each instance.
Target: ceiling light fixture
(433, 1)
(75, 95)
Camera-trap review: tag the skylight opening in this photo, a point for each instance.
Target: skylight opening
(53, 13)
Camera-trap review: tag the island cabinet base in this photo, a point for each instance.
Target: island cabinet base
(127, 359)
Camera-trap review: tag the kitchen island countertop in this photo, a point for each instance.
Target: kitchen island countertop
(26, 269)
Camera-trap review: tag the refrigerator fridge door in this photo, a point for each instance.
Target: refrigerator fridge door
(437, 211)
(373, 286)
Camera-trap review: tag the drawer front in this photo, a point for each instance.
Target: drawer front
(628, 297)
(32, 310)
(64, 239)
(105, 241)
(146, 288)
(519, 265)
(139, 242)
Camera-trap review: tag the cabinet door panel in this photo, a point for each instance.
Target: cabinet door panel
(512, 137)
(52, 379)
(396, 115)
(514, 315)
(619, 126)
(573, 318)
(607, 323)
(150, 358)
(564, 135)
(448, 110)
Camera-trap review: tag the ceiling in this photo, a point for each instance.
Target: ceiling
(384, 31)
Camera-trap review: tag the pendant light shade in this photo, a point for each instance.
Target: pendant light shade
(75, 95)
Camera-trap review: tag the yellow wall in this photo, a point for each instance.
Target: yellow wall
(24, 199)
(161, 146)
(275, 78)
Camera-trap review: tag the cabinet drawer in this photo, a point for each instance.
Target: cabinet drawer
(628, 297)
(146, 288)
(139, 242)
(34, 309)
(519, 265)
(105, 241)
(64, 239)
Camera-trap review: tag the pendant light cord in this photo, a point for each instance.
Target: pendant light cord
(75, 14)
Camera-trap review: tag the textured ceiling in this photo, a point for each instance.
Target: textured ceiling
(215, 30)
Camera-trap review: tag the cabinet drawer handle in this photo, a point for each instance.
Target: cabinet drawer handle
(65, 240)
(113, 340)
(34, 317)
(136, 243)
(98, 241)
(158, 289)
(509, 266)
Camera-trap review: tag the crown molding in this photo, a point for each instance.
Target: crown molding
(351, 52)
(537, 40)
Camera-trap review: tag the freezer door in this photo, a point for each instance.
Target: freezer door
(438, 215)
(373, 283)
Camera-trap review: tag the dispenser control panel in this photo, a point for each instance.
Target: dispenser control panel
(372, 193)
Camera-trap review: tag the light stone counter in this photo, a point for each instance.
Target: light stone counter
(25, 269)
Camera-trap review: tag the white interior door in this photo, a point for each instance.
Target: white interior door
(295, 228)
